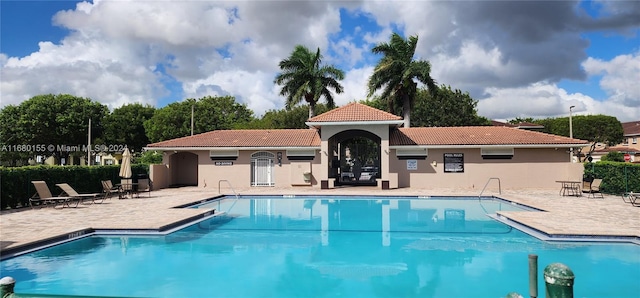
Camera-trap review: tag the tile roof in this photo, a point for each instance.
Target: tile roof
(631, 128)
(247, 138)
(622, 149)
(428, 136)
(355, 112)
(475, 135)
(500, 123)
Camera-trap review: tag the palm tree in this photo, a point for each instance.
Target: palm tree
(303, 77)
(396, 72)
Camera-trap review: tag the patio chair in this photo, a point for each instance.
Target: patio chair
(631, 198)
(43, 197)
(127, 188)
(144, 185)
(108, 189)
(594, 188)
(69, 191)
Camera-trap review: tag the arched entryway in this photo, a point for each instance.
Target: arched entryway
(262, 169)
(356, 159)
(184, 169)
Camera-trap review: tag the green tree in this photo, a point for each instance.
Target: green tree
(281, 119)
(125, 126)
(593, 128)
(61, 121)
(446, 107)
(396, 72)
(519, 120)
(303, 77)
(209, 113)
(613, 156)
(11, 137)
(149, 157)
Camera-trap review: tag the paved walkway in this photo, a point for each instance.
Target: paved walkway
(564, 215)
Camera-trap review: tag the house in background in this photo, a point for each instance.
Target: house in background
(358, 145)
(521, 125)
(630, 146)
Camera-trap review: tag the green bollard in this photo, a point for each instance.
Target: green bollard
(6, 286)
(559, 280)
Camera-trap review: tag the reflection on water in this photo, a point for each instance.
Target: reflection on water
(316, 247)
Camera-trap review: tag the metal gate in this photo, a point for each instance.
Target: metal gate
(262, 169)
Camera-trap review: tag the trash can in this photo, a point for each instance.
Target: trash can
(140, 176)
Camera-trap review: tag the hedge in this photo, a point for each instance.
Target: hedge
(617, 177)
(16, 187)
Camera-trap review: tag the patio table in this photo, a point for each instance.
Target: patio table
(570, 188)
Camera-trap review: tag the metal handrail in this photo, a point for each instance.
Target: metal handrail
(485, 186)
(231, 186)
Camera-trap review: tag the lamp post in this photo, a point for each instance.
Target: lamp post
(571, 132)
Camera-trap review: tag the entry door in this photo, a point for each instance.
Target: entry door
(262, 169)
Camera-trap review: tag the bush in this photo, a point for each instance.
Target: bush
(617, 177)
(17, 188)
(613, 156)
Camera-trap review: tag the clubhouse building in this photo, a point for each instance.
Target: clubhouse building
(360, 145)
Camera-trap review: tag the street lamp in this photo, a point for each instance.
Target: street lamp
(570, 124)
(571, 132)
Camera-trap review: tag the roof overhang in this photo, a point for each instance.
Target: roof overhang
(391, 123)
(476, 146)
(227, 148)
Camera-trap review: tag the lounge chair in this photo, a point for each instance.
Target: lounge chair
(593, 189)
(43, 197)
(69, 191)
(631, 198)
(108, 189)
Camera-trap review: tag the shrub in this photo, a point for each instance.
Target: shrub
(17, 188)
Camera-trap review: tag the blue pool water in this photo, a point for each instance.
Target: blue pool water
(315, 247)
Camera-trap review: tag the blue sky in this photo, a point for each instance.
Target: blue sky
(517, 58)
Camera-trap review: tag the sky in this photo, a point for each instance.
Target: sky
(518, 59)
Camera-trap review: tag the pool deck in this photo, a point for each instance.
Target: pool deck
(575, 216)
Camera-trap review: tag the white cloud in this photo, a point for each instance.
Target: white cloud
(355, 86)
(95, 69)
(512, 53)
(544, 100)
(620, 78)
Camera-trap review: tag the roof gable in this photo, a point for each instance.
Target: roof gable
(353, 112)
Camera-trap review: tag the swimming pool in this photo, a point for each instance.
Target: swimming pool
(309, 246)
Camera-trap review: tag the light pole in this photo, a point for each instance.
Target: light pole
(571, 132)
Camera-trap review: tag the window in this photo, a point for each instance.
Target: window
(634, 140)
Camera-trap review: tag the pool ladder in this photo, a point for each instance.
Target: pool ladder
(230, 186)
(234, 192)
(485, 186)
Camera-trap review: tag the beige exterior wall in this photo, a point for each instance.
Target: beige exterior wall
(381, 131)
(529, 168)
(210, 175)
(632, 142)
(159, 175)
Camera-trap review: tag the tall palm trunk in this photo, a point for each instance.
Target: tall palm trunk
(406, 110)
(312, 104)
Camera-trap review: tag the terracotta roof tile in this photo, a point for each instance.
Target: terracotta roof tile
(355, 112)
(475, 135)
(631, 128)
(623, 149)
(499, 123)
(247, 138)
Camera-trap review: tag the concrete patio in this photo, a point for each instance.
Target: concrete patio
(581, 216)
